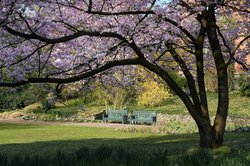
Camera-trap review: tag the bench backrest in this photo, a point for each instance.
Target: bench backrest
(144, 115)
(116, 113)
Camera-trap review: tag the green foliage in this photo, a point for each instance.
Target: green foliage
(110, 96)
(152, 94)
(244, 83)
(74, 102)
(64, 112)
(45, 117)
(44, 108)
(181, 81)
(12, 100)
(20, 97)
(46, 105)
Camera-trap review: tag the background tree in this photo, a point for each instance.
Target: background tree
(66, 41)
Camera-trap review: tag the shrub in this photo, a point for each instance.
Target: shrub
(244, 84)
(14, 99)
(110, 96)
(46, 105)
(152, 94)
(20, 97)
(75, 102)
(45, 117)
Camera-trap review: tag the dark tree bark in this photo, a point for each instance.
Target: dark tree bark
(218, 128)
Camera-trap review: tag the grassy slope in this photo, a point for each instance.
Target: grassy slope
(239, 106)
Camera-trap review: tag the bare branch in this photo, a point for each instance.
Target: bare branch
(232, 54)
(240, 43)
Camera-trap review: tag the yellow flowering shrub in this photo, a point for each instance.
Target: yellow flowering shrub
(152, 94)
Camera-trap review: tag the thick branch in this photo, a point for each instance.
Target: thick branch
(240, 43)
(232, 54)
(120, 13)
(222, 77)
(65, 38)
(200, 66)
(188, 75)
(75, 78)
(172, 84)
(186, 32)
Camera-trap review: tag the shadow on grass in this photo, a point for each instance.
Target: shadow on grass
(157, 150)
(174, 144)
(171, 144)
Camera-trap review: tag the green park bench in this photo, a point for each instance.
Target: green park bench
(115, 115)
(143, 117)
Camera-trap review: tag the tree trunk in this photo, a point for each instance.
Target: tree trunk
(218, 128)
(218, 134)
(222, 110)
(206, 137)
(206, 133)
(212, 137)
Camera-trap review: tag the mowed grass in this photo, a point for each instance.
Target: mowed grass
(76, 145)
(26, 138)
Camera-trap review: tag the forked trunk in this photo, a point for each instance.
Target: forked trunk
(206, 137)
(218, 128)
(206, 134)
(211, 137)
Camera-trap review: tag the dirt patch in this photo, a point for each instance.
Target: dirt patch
(16, 115)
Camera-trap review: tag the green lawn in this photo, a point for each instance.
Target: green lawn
(42, 138)
(60, 145)
(23, 138)
(239, 106)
